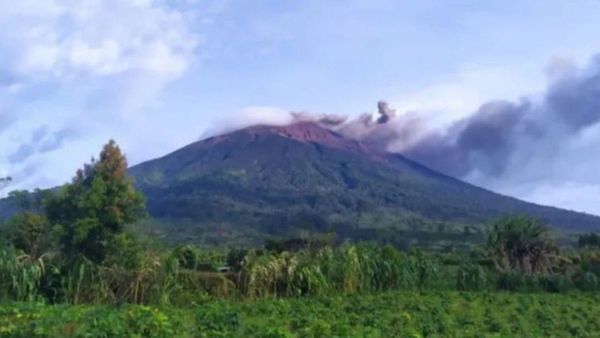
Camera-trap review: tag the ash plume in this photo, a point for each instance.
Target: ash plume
(377, 128)
(386, 113)
(521, 140)
(503, 135)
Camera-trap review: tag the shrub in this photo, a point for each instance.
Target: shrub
(471, 277)
(517, 281)
(186, 256)
(587, 281)
(555, 283)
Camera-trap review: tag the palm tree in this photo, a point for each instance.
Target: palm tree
(521, 243)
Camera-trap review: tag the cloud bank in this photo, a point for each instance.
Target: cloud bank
(71, 72)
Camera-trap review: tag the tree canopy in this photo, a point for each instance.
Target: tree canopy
(96, 206)
(520, 243)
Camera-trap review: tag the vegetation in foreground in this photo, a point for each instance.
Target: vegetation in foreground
(388, 314)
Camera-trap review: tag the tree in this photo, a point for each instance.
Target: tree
(521, 244)
(30, 233)
(29, 201)
(94, 209)
(591, 240)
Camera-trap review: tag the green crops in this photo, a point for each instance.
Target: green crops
(386, 314)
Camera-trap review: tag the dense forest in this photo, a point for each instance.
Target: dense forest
(74, 251)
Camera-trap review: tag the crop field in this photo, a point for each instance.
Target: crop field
(386, 314)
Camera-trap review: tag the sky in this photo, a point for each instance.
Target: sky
(156, 75)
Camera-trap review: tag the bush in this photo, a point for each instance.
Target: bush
(516, 281)
(190, 258)
(555, 283)
(186, 256)
(235, 257)
(587, 281)
(472, 277)
(216, 321)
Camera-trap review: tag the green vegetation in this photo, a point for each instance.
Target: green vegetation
(591, 240)
(386, 314)
(92, 210)
(71, 266)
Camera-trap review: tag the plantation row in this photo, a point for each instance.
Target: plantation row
(389, 314)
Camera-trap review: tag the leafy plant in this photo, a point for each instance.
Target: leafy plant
(521, 243)
(472, 277)
(20, 275)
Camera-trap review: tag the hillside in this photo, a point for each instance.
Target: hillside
(267, 180)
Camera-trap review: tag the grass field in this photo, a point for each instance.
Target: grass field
(387, 314)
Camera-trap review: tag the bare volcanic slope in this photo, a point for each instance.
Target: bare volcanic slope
(303, 177)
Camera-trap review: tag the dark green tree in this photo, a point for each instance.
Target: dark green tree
(30, 233)
(523, 244)
(21, 198)
(94, 209)
(591, 240)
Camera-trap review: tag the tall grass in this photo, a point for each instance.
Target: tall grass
(346, 269)
(159, 277)
(20, 275)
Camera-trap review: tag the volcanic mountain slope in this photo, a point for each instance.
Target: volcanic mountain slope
(277, 180)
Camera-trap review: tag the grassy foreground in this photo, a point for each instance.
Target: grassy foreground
(387, 314)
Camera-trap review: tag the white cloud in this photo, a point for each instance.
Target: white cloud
(66, 39)
(250, 116)
(81, 65)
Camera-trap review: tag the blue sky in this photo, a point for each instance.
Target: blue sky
(158, 74)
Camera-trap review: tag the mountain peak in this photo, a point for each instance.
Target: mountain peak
(309, 132)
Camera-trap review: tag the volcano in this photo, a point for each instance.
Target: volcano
(283, 180)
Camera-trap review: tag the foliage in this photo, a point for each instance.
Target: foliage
(28, 201)
(235, 258)
(591, 239)
(521, 243)
(142, 274)
(30, 233)
(472, 277)
(587, 281)
(186, 256)
(96, 206)
(191, 258)
(386, 314)
(347, 269)
(20, 275)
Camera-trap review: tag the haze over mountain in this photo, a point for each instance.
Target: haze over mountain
(306, 177)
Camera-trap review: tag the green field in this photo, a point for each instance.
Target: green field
(386, 314)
